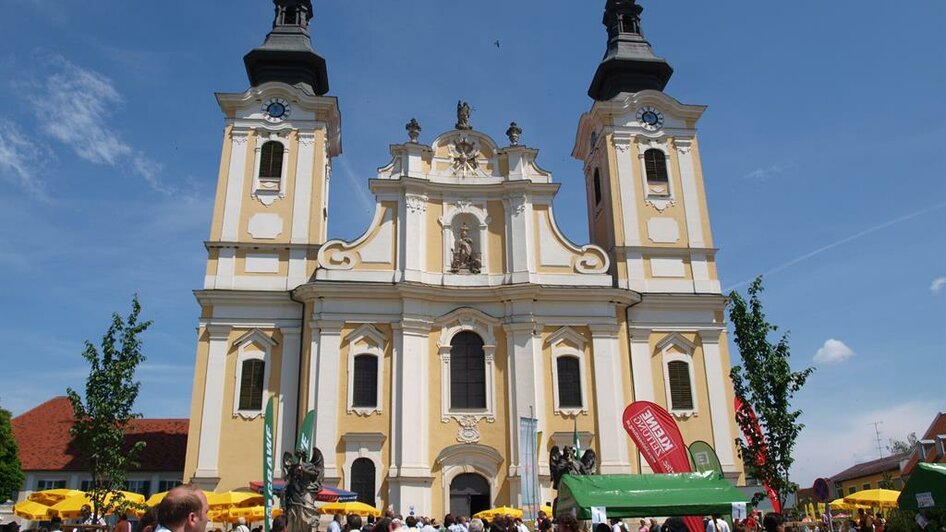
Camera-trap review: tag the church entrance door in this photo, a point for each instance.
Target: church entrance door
(469, 494)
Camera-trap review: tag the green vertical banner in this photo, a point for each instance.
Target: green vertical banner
(305, 434)
(268, 450)
(704, 457)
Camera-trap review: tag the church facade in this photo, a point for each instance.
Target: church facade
(462, 308)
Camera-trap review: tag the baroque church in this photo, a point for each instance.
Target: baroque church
(462, 307)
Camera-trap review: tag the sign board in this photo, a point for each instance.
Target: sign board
(925, 500)
(739, 510)
(822, 493)
(599, 514)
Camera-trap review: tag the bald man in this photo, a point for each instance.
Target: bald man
(184, 509)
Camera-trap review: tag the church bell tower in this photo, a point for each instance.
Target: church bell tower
(269, 221)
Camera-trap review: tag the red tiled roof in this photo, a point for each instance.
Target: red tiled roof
(937, 427)
(888, 463)
(42, 435)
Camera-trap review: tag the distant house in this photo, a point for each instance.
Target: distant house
(51, 461)
(930, 448)
(869, 475)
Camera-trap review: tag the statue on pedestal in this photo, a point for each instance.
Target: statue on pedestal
(303, 482)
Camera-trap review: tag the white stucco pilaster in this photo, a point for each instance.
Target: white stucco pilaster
(327, 393)
(608, 382)
(234, 195)
(288, 394)
(642, 374)
(524, 386)
(212, 411)
(520, 238)
(625, 152)
(716, 382)
(302, 196)
(691, 199)
(413, 210)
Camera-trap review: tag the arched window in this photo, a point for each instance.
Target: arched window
(290, 16)
(681, 389)
(271, 157)
(467, 372)
(251, 384)
(655, 162)
(365, 381)
(569, 382)
(597, 185)
(362, 480)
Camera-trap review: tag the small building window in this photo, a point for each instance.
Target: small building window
(865, 486)
(467, 372)
(655, 162)
(597, 185)
(50, 485)
(167, 485)
(852, 490)
(362, 480)
(365, 381)
(569, 382)
(271, 156)
(251, 385)
(681, 389)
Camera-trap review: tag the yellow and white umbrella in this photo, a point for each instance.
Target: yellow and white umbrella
(31, 510)
(353, 507)
(233, 499)
(232, 515)
(51, 497)
(492, 513)
(156, 499)
(71, 508)
(876, 498)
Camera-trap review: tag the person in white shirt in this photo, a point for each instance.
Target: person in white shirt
(717, 524)
(241, 526)
(336, 524)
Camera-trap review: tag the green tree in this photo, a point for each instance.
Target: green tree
(901, 446)
(766, 383)
(102, 420)
(11, 470)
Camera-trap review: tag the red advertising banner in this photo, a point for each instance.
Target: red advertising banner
(658, 438)
(743, 409)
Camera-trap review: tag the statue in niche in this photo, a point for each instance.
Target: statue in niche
(465, 258)
(303, 482)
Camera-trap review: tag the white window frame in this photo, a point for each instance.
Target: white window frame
(266, 344)
(460, 320)
(268, 189)
(559, 342)
(51, 480)
(366, 340)
(658, 201)
(364, 445)
(664, 347)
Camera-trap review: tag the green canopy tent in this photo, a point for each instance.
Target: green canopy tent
(627, 496)
(925, 489)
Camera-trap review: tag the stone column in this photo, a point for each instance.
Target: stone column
(520, 247)
(526, 390)
(409, 476)
(642, 374)
(609, 403)
(327, 394)
(288, 395)
(212, 411)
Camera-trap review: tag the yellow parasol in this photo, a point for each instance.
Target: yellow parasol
(839, 504)
(31, 510)
(876, 498)
(353, 507)
(492, 513)
(156, 499)
(233, 499)
(232, 515)
(71, 508)
(51, 497)
(544, 508)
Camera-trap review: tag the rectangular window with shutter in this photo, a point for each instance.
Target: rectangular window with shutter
(681, 389)
(569, 382)
(365, 381)
(251, 385)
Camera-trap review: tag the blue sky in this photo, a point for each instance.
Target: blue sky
(822, 152)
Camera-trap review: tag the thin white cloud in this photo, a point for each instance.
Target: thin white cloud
(359, 187)
(21, 159)
(833, 352)
(761, 174)
(841, 242)
(74, 106)
(938, 285)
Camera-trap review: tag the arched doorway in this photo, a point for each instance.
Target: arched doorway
(469, 494)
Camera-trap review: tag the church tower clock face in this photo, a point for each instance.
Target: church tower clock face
(650, 118)
(276, 109)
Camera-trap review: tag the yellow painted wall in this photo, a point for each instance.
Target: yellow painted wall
(434, 236)
(318, 218)
(496, 236)
(698, 427)
(558, 422)
(197, 403)
(281, 206)
(216, 225)
(240, 437)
